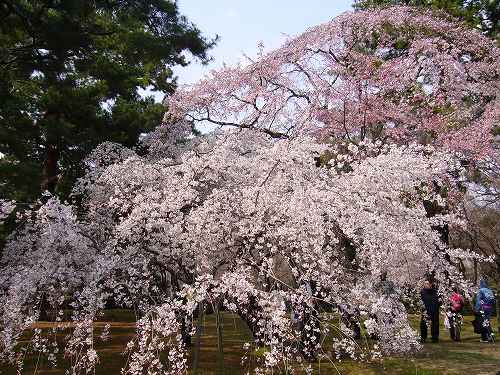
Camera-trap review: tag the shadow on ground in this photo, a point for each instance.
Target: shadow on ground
(469, 357)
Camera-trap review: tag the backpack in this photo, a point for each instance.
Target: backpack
(456, 302)
(488, 296)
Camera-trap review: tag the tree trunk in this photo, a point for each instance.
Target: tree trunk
(51, 169)
(309, 332)
(498, 310)
(249, 314)
(49, 183)
(185, 325)
(44, 306)
(497, 301)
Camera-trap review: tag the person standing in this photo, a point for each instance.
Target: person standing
(430, 315)
(485, 300)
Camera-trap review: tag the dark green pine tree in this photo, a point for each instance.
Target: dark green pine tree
(481, 14)
(70, 71)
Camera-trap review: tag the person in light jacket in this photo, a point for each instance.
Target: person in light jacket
(485, 300)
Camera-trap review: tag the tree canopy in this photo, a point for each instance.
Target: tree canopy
(396, 74)
(244, 222)
(330, 189)
(483, 15)
(69, 78)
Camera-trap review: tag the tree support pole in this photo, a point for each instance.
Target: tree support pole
(199, 327)
(220, 349)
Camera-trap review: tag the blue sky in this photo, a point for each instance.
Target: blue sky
(242, 24)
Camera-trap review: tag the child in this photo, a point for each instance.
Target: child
(454, 315)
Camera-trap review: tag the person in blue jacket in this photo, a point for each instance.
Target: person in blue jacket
(485, 300)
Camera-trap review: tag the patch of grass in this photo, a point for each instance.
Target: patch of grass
(446, 358)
